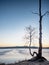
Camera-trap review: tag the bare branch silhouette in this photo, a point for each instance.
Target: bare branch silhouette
(35, 13)
(45, 13)
(29, 37)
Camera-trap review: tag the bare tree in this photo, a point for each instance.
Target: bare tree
(30, 34)
(40, 29)
(39, 54)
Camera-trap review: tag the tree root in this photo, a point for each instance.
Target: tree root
(36, 58)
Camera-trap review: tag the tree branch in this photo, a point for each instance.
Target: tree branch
(35, 13)
(45, 13)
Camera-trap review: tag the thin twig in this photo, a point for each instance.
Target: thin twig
(35, 13)
(45, 13)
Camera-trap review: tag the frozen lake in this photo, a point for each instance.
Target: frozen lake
(16, 55)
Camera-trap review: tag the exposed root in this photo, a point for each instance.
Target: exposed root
(42, 59)
(37, 57)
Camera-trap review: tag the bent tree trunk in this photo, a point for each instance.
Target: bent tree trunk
(32, 54)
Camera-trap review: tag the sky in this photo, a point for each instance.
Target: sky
(15, 15)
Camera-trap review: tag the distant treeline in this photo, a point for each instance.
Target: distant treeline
(22, 47)
(17, 47)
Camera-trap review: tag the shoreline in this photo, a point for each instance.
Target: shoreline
(26, 62)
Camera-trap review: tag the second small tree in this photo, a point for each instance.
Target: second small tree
(30, 35)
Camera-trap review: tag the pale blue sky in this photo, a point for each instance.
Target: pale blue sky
(15, 15)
